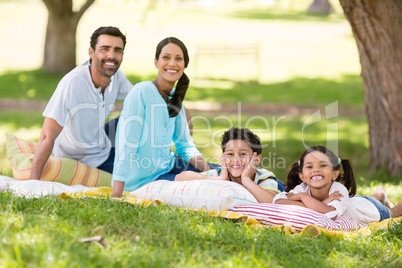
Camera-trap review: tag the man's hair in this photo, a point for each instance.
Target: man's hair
(242, 134)
(109, 30)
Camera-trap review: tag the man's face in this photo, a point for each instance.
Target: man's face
(108, 55)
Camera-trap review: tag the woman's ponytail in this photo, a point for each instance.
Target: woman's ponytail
(175, 103)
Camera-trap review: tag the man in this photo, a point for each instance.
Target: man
(74, 124)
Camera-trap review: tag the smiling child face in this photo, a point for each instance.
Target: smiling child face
(238, 154)
(317, 171)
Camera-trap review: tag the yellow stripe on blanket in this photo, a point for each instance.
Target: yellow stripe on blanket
(308, 230)
(313, 230)
(106, 192)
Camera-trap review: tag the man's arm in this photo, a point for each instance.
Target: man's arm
(50, 130)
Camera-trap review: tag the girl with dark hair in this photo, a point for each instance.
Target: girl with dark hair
(153, 116)
(316, 182)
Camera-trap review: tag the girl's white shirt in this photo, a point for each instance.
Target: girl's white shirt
(355, 207)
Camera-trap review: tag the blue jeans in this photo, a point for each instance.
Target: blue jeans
(179, 166)
(281, 186)
(382, 209)
(110, 129)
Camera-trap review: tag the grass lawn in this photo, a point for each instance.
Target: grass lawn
(46, 232)
(304, 61)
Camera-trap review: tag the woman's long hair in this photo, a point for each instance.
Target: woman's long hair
(175, 103)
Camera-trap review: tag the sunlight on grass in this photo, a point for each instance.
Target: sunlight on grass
(342, 259)
(205, 83)
(394, 191)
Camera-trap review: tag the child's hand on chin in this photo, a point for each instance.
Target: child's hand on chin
(249, 171)
(224, 169)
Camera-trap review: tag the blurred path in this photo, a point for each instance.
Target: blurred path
(201, 107)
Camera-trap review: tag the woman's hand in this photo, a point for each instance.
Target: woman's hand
(199, 163)
(118, 187)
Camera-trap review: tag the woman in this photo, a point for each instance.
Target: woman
(153, 116)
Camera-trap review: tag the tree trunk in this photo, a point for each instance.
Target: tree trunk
(377, 27)
(60, 44)
(320, 7)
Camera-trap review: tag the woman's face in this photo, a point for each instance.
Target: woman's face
(170, 63)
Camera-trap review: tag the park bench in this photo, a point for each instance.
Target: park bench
(246, 56)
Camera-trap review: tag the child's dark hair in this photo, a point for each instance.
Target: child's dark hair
(242, 134)
(174, 104)
(347, 178)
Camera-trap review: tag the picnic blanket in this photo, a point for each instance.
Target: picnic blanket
(292, 220)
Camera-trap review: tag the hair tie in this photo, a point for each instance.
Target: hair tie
(298, 162)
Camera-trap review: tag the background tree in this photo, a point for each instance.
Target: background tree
(320, 7)
(60, 43)
(377, 28)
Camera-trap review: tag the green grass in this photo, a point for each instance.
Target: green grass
(347, 90)
(46, 232)
(298, 91)
(33, 84)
